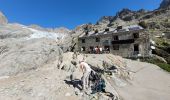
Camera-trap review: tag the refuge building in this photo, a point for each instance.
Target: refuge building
(126, 41)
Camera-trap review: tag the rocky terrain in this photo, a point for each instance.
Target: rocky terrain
(48, 82)
(36, 63)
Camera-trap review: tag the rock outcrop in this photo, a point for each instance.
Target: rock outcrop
(17, 57)
(105, 20)
(3, 19)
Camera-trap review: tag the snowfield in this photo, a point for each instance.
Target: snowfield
(44, 34)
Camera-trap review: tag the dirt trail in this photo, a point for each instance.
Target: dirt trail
(149, 83)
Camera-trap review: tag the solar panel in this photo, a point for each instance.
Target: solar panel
(134, 28)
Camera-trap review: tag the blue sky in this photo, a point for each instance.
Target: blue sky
(67, 13)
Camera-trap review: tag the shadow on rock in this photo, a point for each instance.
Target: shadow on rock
(76, 83)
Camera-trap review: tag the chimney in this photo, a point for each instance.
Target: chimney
(96, 31)
(119, 27)
(107, 29)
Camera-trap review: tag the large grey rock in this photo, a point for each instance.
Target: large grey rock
(20, 56)
(23, 48)
(14, 31)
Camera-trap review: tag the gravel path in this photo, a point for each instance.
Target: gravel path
(149, 83)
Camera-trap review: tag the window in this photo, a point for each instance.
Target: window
(116, 38)
(97, 39)
(83, 41)
(136, 35)
(115, 47)
(106, 41)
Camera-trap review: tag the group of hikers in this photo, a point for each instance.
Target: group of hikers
(91, 81)
(96, 50)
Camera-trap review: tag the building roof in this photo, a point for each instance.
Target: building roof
(113, 30)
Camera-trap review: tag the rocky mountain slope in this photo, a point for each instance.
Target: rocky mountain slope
(35, 63)
(24, 48)
(165, 4)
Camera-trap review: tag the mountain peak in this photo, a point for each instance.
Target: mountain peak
(165, 4)
(105, 20)
(124, 12)
(3, 19)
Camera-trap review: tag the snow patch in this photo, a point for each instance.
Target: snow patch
(44, 34)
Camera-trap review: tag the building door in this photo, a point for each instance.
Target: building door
(91, 49)
(136, 49)
(107, 48)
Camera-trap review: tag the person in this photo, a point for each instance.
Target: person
(98, 50)
(86, 69)
(95, 50)
(101, 50)
(82, 49)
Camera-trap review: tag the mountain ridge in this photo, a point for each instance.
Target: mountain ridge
(165, 4)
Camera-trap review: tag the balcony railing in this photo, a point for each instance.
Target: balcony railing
(107, 42)
(128, 41)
